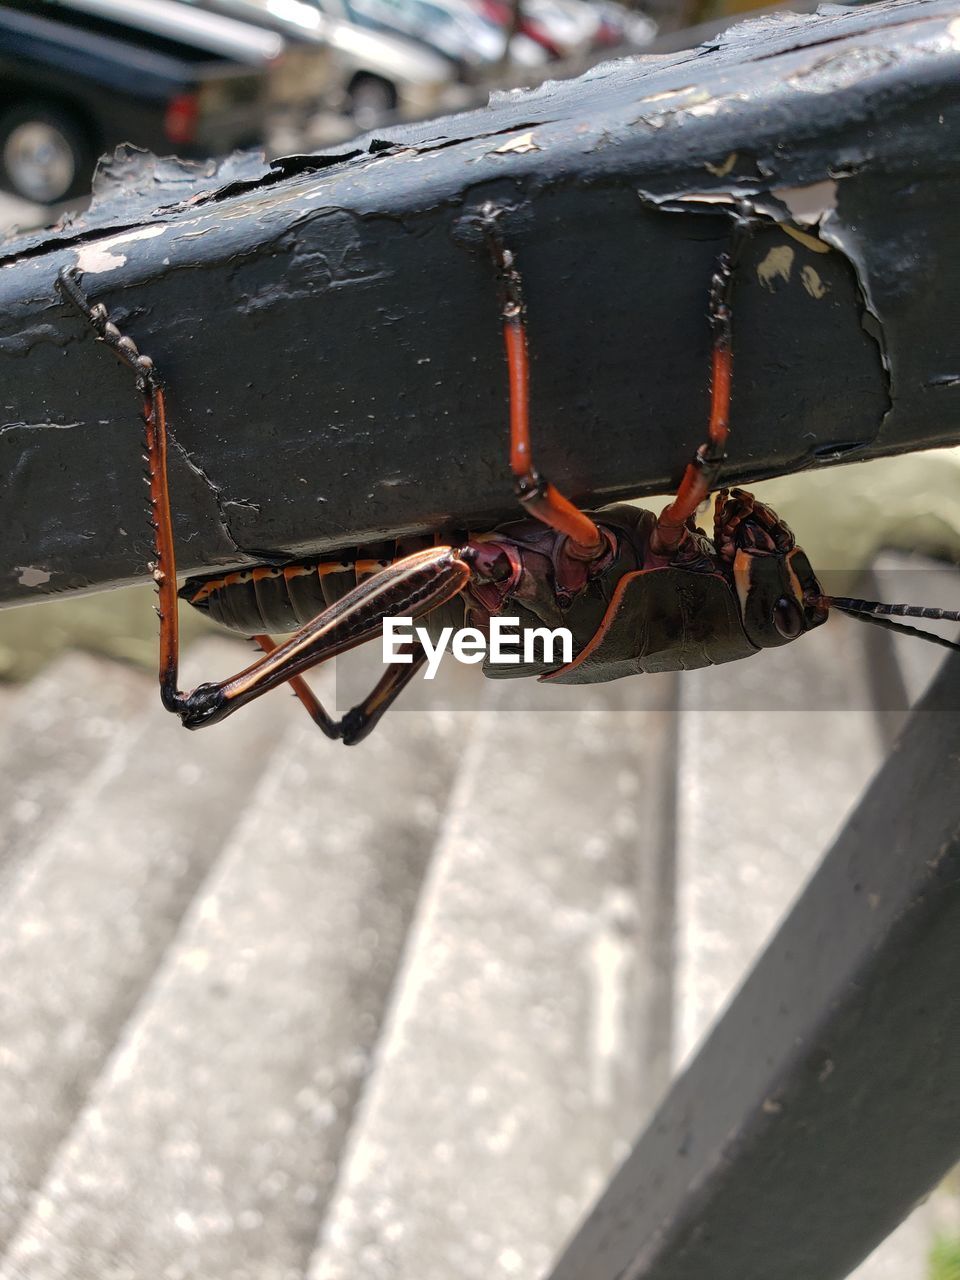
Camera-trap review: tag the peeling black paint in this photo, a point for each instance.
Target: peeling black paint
(327, 324)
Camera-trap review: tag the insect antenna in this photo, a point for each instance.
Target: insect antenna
(880, 615)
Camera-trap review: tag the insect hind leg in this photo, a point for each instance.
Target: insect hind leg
(360, 720)
(420, 582)
(150, 386)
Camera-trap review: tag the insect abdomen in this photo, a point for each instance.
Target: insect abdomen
(270, 598)
(277, 599)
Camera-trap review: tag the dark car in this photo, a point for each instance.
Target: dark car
(307, 76)
(78, 77)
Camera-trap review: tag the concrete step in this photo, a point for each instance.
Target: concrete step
(90, 913)
(192, 1122)
(209, 1145)
(53, 733)
(527, 1038)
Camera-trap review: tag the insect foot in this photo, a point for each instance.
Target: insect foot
(355, 726)
(205, 705)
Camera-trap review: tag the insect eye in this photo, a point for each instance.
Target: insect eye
(787, 618)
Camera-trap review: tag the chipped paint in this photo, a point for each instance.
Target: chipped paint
(671, 93)
(809, 204)
(37, 426)
(721, 170)
(841, 236)
(844, 69)
(672, 104)
(94, 259)
(517, 146)
(32, 577)
(724, 198)
(709, 108)
(777, 265)
(808, 241)
(810, 279)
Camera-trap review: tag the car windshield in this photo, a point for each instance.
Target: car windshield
(433, 13)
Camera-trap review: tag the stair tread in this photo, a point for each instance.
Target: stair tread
(209, 1145)
(91, 911)
(53, 732)
(513, 1061)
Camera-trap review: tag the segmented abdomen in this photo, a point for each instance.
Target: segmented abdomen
(276, 598)
(269, 598)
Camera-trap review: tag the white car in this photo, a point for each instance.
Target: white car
(571, 24)
(383, 74)
(453, 29)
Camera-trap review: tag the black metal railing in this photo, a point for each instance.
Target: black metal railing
(329, 334)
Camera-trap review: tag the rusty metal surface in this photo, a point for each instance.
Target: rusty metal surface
(328, 327)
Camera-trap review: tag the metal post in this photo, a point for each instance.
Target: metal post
(826, 1101)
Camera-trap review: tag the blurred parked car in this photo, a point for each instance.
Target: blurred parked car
(78, 77)
(523, 52)
(384, 73)
(724, 14)
(299, 74)
(304, 75)
(453, 29)
(623, 26)
(564, 32)
(372, 75)
(573, 28)
(367, 78)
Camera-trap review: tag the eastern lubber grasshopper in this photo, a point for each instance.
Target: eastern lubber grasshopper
(640, 592)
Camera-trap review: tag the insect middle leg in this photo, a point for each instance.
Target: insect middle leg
(701, 475)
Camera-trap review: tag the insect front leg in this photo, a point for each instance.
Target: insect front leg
(701, 475)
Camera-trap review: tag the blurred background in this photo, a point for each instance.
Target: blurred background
(270, 1008)
(200, 78)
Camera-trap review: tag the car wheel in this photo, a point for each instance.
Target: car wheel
(45, 153)
(371, 101)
